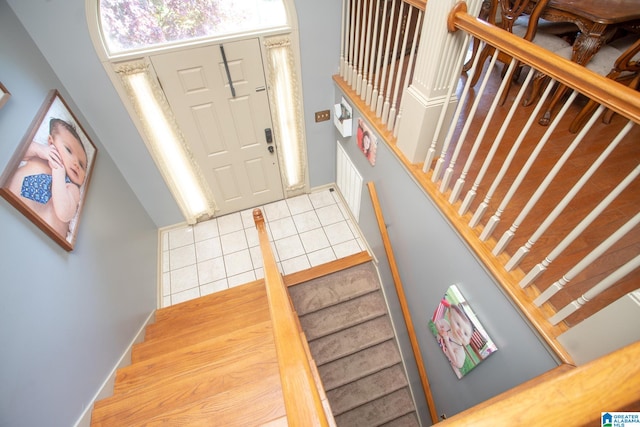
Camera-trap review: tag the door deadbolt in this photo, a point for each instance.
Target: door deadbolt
(268, 135)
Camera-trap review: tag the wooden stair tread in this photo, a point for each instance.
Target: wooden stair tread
(223, 298)
(199, 332)
(254, 404)
(210, 353)
(204, 309)
(254, 370)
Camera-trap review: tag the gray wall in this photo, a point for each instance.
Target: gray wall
(431, 257)
(319, 23)
(65, 318)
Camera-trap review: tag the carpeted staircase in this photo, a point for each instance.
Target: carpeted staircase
(345, 319)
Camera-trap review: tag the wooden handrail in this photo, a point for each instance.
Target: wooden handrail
(419, 4)
(403, 302)
(301, 396)
(574, 397)
(617, 97)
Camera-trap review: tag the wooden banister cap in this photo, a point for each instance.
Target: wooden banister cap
(258, 218)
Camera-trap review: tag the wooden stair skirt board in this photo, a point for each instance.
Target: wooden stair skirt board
(344, 316)
(208, 361)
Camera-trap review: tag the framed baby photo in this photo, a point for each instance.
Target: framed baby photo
(459, 333)
(47, 178)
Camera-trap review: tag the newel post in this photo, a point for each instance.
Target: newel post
(439, 60)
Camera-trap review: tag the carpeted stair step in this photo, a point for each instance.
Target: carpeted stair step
(351, 340)
(343, 315)
(365, 362)
(369, 388)
(379, 411)
(408, 420)
(334, 288)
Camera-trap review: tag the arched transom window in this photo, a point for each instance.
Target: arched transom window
(137, 24)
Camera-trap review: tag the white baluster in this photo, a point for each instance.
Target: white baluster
(588, 260)
(453, 197)
(508, 235)
(602, 286)
(515, 260)
(377, 77)
(394, 60)
(367, 54)
(579, 229)
(448, 173)
(352, 15)
(356, 52)
(412, 55)
(342, 41)
(466, 204)
(362, 51)
(456, 117)
(399, 74)
(367, 98)
(507, 162)
(387, 49)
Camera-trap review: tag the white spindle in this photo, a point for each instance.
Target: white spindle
(356, 51)
(374, 42)
(602, 286)
(342, 41)
(352, 15)
(448, 173)
(394, 60)
(471, 194)
(482, 208)
(524, 250)
(362, 52)
(377, 77)
(536, 271)
(385, 62)
(456, 117)
(412, 55)
(588, 260)
(508, 235)
(399, 74)
(367, 54)
(455, 193)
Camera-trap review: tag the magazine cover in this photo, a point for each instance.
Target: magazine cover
(460, 335)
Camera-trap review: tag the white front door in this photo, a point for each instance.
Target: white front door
(223, 112)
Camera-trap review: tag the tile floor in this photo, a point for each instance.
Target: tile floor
(211, 256)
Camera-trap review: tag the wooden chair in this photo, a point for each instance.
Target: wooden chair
(626, 70)
(521, 18)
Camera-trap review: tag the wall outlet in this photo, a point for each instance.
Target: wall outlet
(323, 116)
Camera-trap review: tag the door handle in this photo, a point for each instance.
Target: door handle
(271, 150)
(226, 68)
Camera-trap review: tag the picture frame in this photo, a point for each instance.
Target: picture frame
(48, 177)
(367, 141)
(4, 95)
(459, 333)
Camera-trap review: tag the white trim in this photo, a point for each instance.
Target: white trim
(106, 389)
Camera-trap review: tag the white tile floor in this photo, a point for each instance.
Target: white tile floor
(211, 256)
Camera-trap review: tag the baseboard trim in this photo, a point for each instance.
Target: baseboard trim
(106, 389)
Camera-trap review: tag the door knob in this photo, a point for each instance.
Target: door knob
(271, 150)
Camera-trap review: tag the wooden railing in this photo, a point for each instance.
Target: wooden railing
(301, 393)
(564, 397)
(552, 215)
